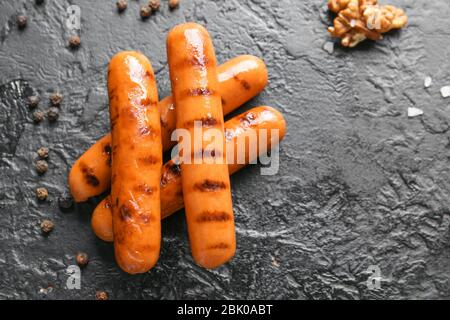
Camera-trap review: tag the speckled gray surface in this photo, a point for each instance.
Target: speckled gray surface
(360, 183)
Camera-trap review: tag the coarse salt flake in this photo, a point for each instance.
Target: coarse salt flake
(414, 112)
(445, 91)
(329, 47)
(427, 82)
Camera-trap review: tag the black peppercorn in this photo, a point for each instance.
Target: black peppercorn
(21, 21)
(47, 226)
(33, 101)
(38, 116)
(154, 4)
(41, 193)
(121, 5)
(56, 99)
(43, 152)
(65, 200)
(101, 295)
(39, 2)
(82, 259)
(173, 4)
(146, 12)
(53, 114)
(41, 166)
(74, 42)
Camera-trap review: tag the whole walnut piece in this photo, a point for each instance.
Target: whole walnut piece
(358, 20)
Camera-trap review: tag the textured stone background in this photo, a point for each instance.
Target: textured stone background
(360, 183)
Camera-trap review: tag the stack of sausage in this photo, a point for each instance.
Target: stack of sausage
(129, 160)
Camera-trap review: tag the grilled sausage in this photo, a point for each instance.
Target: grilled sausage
(136, 161)
(206, 186)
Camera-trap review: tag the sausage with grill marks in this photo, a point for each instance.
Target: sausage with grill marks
(136, 161)
(206, 187)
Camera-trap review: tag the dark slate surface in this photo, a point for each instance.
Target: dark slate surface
(360, 183)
